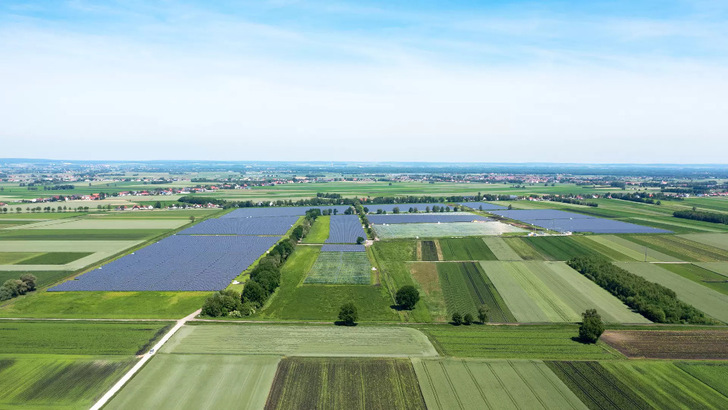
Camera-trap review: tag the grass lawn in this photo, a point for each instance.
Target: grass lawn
(319, 232)
(115, 305)
(341, 268)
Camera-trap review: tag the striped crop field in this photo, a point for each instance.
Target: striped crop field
(465, 288)
(714, 375)
(429, 251)
(465, 249)
(697, 274)
(492, 384)
(500, 249)
(523, 249)
(631, 250)
(559, 248)
(681, 248)
(718, 240)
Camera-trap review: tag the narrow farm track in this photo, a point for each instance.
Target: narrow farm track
(115, 389)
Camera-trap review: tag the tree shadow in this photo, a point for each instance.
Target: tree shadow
(342, 323)
(582, 341)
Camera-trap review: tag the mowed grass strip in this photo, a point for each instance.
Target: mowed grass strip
(54, 258)
(681, 248)
(199, 382)
(111, 224)
(663, 385)
(338, 383)
(465, 288)
(465, 249)
(500, 249)
(341, 268)
(547, 342)
(492, 384)
(596, 387)
(319, 232)
(300, 340)
(57, 381)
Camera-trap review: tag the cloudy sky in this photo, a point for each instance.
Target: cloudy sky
(496, 81)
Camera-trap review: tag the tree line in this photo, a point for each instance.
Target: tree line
(16, 287)
(705, 216)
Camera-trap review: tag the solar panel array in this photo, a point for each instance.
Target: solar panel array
(270, 225)
(343, 248)
(402, 207)
(484, 205)
(178, 262)
(572, 222)
(444, 217)
(345, 229)
(280, 211)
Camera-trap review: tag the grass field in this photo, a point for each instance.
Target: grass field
(720, 268)
(190, 381)
(78, 338)
(697, 274)
(428, 282)
(115, 305)
(681, 248)
(429, 251)
(559, 248)
(340, 268)
(500, 249)
(54, 258)
(552, 292)
(79, 234)
(319, 232)
(465, 249)
(714, 375)
(711, 239)
(523, 249)
(547, 342)
(596, 387)
(11, 258)
(45, 278)
(663, 385)
(465, 287)
(631, 250)
(479, 384)
(300, 340)
(295, 301)
(307, 383)
(708, 300)
(42, 255)
(109, 224)
(434, 230)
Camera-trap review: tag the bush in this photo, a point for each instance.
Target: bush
(254, 293)
(360, 240)
(467, 319)
(407, 297)
(16, 287)
(457, 319)
(482, 314)
(30, 281)
(591, 326)
(222, 303)
(348, 314)
(5, 294)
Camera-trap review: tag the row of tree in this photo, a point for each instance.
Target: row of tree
(705, 216)
(653, 301)
(16, 287)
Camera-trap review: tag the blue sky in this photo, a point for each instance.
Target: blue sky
(505, 81)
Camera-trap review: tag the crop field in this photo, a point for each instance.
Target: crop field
(337, 383)
(294, 301)
(682, 248)
(500, 249)
(716, 240)
(199, 382)
(109, 224)
(113, 305)
(546, 342)
(720, 268)
(552, 292)
(708, 300)
(319, 232)
(465, 249)
(271, 225)
(631, 250)
(523, 249)
(401, 231)
(336, 268)
(608, 249)
(704, 344)
(429, 251)
(44, 277)
(300, 340)
(345, 229)
(57, 255)
(559, 248)
(465, 288)
(53, 258)
(664, 385)
(79, 234)
(714, 375)
(479, 384)
(596, 387)
(428, 281)
(705, 277)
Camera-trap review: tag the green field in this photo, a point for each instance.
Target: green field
(295, 301)
(479, 384)
(708, 300)
(42, 255)
(547, 342)
(720, 268)
(596, 387)
(435, 230)
(191, 381)
(109, 224)
(465, 288)
(552, 292)
(523, 249)
(300, 340)
(465, 249)
(663, 385)
(340, 268)
(11, 258)
(632, 251)
(711, 239)
(500, 249)
(115, 305)
(559, 248)
(307, 383)
(681, 248)
(54, 258)
(319, 232)
(79, 234)
(429, 251)
(705, 277)
(44, 278)
(714, 375)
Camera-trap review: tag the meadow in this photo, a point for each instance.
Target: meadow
(466, 288)
(465, 249)
(319, 232)
(340, 268)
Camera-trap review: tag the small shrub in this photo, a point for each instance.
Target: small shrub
(468, 319)
(457, 319)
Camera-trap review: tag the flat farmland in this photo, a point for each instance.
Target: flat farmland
(523, 249)
(465, 288)
(559, 248)
(319, 232)
(337, 383)
(44, 277)
(714, 375)
(427, 278)
(547, 342)
(664, 385)
(717, 240)
(114, 224)
(632, 250)
(79, 234)
(670, 344)
(429, 251)
(59, 255)
(500, 249)
(171, 381)
(681, 248)
(697, 274)
(708, 300)
(336, 268)
(294, 340)
(596, 387)
(465, 249)
(478, 384)
(433, 230)
(720, 268)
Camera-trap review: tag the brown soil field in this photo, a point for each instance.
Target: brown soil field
(670, 344)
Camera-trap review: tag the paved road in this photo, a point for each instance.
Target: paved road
(106, 397)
